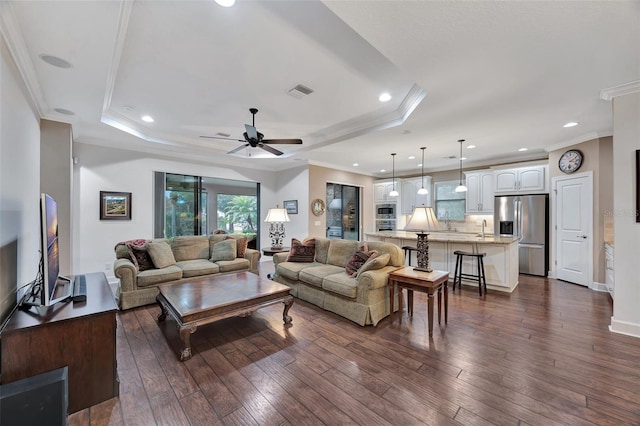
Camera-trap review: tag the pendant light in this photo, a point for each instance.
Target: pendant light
(394, 193)
(423, 190)
(461, 187)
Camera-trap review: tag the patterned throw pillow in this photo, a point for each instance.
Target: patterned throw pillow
(241, 248)
(304, 251)
(224, 250)
(140, 257)
(359, 258)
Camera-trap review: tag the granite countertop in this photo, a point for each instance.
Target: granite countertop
(446, 237)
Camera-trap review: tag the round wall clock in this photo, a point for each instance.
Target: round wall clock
(317, 207)
(570, 161)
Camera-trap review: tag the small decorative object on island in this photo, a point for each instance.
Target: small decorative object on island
(423, 219)
(276, 218)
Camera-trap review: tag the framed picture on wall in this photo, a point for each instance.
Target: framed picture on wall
(291, 206)
(115, 205)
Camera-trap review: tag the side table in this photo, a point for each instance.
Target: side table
(425, 282)
(270, 251)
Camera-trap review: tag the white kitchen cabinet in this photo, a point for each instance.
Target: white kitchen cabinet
(479, 192)
(409, 197)
(608, 249)
(525, 180)
(381, 192)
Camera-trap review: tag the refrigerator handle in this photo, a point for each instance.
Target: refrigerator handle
(518, 211)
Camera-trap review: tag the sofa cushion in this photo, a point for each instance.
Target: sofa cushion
(161, 254)
(291, 270)
(302, 251)
(236, 264)
(197, 267)
(314, 275)
(322, 249)
(341, 284)
(377, 262)
(340, 251)
(224, 250)
(159, 276)
(190, 247)
(362, 255)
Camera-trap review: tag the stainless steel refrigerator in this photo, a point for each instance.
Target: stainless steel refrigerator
(525, 217)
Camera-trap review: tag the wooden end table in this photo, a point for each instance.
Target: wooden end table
(270, 251)
(425, 282)
(202, 301)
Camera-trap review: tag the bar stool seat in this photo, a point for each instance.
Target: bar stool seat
(459, 275)
(407, 253)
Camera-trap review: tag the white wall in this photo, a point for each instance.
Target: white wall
(292, 184)
(19, 183)
(104, 169)
(626, 140)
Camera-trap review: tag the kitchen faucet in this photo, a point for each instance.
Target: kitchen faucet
(484, 223)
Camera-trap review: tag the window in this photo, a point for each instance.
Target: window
(450, 205)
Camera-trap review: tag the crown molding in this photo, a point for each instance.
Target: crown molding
(124, 16)
(620, 90)
(580, 139)
(10, 30)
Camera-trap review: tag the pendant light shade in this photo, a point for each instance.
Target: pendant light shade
(422, 190)
(393, 192)
(461, 187)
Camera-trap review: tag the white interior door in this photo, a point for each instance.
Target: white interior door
(574, 204)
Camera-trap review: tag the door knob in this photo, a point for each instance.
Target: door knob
(582, 236)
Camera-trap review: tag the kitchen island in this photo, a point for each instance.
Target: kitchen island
(500, 263)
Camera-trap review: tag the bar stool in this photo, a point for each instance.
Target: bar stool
(407, 253)
(459, 275)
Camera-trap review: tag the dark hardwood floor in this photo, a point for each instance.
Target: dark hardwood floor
(542, 355)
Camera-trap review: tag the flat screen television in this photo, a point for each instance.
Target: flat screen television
(49, 287)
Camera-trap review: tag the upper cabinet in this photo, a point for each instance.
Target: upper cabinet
(409, 196)
(479, 192)
(527, 180)
(381, 192)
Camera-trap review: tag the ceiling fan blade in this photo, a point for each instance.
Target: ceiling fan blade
(251, 132)
(219, 137)
(271, 150)
(233, 151)
(282, 141)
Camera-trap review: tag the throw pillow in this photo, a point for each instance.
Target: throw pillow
(241, 247)
(161, 254)
(224, 250)
(359, 258)
(304, 251)
(374, 263)
(140, 257)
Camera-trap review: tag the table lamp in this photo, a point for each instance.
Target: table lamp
(276, 218)
(423, 219)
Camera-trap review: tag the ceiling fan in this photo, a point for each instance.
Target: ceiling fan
(254, 138)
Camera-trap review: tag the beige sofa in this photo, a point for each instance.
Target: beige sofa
(189, 257)
(324, 282)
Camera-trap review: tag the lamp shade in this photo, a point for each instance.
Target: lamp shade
(277, 215)
(423, 219)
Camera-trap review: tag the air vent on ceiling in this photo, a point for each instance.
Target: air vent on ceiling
(223, 135)
(300, 91)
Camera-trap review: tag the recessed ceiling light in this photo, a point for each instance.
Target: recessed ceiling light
(419, 165)
(385, 97)
(355, 164)
(571, 124)
(523, 149)
(382, 170)
(471, 146)
(147, 118)
(64, 111)
(55, 61)
(463, 158)
(226, 3)
(412, 157)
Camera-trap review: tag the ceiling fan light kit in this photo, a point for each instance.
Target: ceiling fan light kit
(461, 187)
(255, 139)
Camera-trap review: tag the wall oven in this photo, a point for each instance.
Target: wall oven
(385, 217)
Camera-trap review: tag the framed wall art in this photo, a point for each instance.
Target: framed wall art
(115, 205)
(291, 206)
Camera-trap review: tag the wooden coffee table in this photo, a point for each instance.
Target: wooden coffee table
(202, 301)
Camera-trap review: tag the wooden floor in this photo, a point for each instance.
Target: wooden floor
(540, 356)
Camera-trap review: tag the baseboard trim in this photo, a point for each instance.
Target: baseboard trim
(623, 327)
(596, 286)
